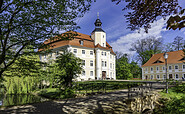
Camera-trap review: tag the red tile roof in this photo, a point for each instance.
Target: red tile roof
(75, 41)
(173, 58)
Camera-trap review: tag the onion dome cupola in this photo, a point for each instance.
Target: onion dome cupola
(98, 24)
(98, 34)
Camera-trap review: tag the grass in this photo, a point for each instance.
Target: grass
(173, 101)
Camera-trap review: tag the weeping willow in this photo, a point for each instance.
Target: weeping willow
(20, 85)
(22, 77)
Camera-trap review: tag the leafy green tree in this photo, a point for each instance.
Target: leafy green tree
(29, 22)
(68, 68)
(123, 70)
(143, 12)
(135, 70)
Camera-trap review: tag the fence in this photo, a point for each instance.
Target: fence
(133, 88)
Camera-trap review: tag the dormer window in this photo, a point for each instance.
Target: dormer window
(103, 45)
(81, 42)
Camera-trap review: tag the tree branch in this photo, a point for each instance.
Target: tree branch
(2, 9)
(1, 3)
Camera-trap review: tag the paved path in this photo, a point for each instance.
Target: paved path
(113, 102)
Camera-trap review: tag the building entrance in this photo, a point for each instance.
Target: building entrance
(103, 75)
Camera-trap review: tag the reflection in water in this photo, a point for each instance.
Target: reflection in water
(9, 100)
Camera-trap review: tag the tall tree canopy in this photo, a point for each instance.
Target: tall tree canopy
(178, 43)
(143, 12)
(29, 22)
(146, 47)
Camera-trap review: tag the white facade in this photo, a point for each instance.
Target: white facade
(98, 59)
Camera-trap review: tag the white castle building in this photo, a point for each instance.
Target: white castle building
(97, 56)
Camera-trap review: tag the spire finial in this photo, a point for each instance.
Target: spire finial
(98, 15)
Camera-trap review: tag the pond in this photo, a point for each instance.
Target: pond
(12, 100)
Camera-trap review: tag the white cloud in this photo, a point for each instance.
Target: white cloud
(123, 44)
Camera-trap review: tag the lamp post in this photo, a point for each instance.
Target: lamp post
(166, 57)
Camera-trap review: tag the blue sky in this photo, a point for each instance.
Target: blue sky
(114, 24)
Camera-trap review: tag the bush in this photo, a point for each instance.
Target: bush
(173, 102)
(175, 105)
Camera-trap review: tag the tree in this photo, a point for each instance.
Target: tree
(144, 12)
(168, 47)
(178, 43)
(146, 47)
(23, 75)
(68, 67)
(29, 22)
(123, 68)
(135, 70)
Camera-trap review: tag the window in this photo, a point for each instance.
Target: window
(105, 54)
(146, 69)
(74, 50)
(111, 56)
(102, 63)
(91, 52)
(83, 51)
(152, 77)
(176, 67)
(163, 68)
(183, 75)
(157, 68)
(83, 73)
(176, 76)
(91, 73)
(170, 67)
(102, 53)
(158, 76)
(81, 42)
(105, 64)
(91, 63)
(103, 36)
(183, 66)
(83, 62)
(111, 65)
(103, 44)
(151, 69)
(111, 74)
(164, 76)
